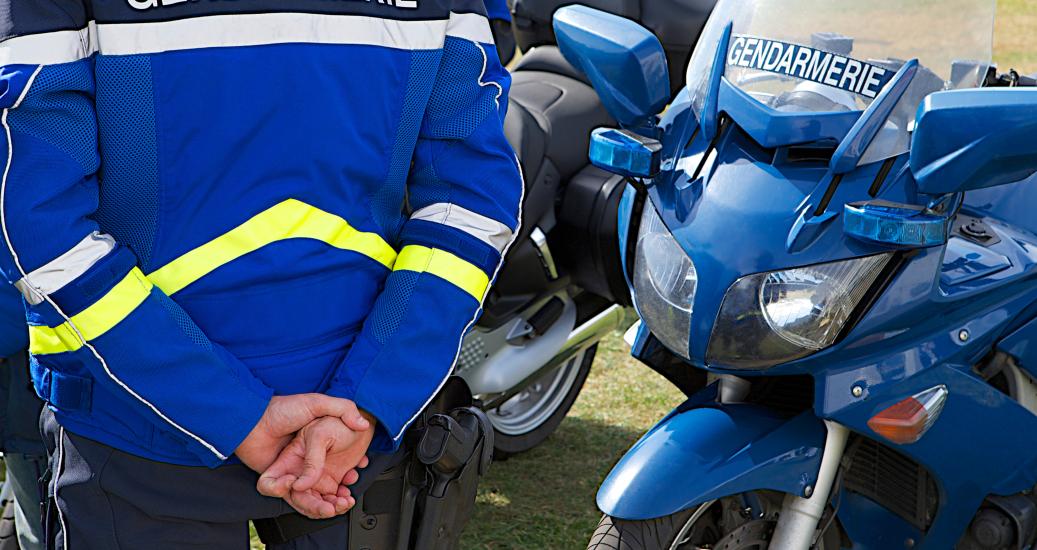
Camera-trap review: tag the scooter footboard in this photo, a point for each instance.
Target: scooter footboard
(700, 453)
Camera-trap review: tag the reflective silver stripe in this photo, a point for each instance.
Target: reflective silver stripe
(65, 268)
(489, 231)
(49, 48)
(257, 29)
(470, 26)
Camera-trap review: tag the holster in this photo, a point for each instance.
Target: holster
(426, 497)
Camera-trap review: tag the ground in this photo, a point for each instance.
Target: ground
(545, 499)
(1015, 38)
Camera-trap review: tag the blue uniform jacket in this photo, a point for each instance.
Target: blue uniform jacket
(205, 204)
(498, 9)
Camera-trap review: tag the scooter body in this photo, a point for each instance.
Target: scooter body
(856, 276)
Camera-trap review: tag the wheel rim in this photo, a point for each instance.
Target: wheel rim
(537, 402)
(682, 536)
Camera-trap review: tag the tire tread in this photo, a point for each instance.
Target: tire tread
(654, 534)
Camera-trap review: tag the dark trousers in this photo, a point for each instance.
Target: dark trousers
(105, 499)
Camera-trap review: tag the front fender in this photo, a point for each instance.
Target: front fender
(700, 453)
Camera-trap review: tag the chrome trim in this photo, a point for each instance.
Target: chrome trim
(544, 251)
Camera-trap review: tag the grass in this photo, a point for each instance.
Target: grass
(1015, 38)
(545, 498)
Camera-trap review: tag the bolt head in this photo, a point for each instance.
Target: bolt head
(857, 391)
(963, 335)
(808, 491)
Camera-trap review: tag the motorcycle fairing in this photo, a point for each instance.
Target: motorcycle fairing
(859, 516)
(732, 448)
(980, 444)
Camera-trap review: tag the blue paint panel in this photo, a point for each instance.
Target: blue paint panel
(624, 61)
(971, 139)
(872, 527)
(966, 261)
(705, 451)
(1022, 345)
(773, 128)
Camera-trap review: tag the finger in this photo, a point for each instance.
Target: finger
(313, 462)
(364, 462)
(275, 486)
(351, 477)
(311, 505)
(344, 505)
(344, 492)
(326, 486)
(341, 504)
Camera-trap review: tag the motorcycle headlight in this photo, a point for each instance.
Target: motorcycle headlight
(665, 281)
(772, 318)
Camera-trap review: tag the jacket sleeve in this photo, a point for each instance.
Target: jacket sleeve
(465, 190)
(88, 304)
(498, 9)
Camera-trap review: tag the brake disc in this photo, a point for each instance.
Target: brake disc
(754, 535)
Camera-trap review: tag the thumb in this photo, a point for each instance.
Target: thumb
(358, 423)
(278, 478)
(324, 405)
(313, 463)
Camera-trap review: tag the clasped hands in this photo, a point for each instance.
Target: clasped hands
(308, 449)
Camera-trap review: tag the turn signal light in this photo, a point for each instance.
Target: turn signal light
(907, 421)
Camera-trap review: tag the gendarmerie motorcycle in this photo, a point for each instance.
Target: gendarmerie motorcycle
(830, 234)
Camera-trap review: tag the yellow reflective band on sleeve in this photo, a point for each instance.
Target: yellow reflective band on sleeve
(291, 219)
(95, 320)
(446, 266)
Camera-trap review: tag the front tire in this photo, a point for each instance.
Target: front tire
(653, 534)
(530, 417)
(719, 524)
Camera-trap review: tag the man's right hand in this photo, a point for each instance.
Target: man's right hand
(314, 471)
(286, 415)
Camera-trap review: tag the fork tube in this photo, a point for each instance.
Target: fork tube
(799, 517)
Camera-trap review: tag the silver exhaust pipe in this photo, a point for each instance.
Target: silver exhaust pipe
(581, 338)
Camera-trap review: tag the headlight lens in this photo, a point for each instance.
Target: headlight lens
(665, 281)
(772, 318)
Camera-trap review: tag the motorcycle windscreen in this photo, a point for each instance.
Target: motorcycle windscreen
(813, 56)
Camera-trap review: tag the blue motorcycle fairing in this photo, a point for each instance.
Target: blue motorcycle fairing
(773, 128)
(979, 445)
(730, 448)
(1022, 346)
(859, 516)
(735, 217)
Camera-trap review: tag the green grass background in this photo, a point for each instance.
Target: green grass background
(545, 499)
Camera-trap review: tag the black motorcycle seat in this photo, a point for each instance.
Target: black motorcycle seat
(549, 59)
(551, 115)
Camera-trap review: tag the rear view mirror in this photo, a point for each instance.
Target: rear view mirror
(972, 139)
(624, 61)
